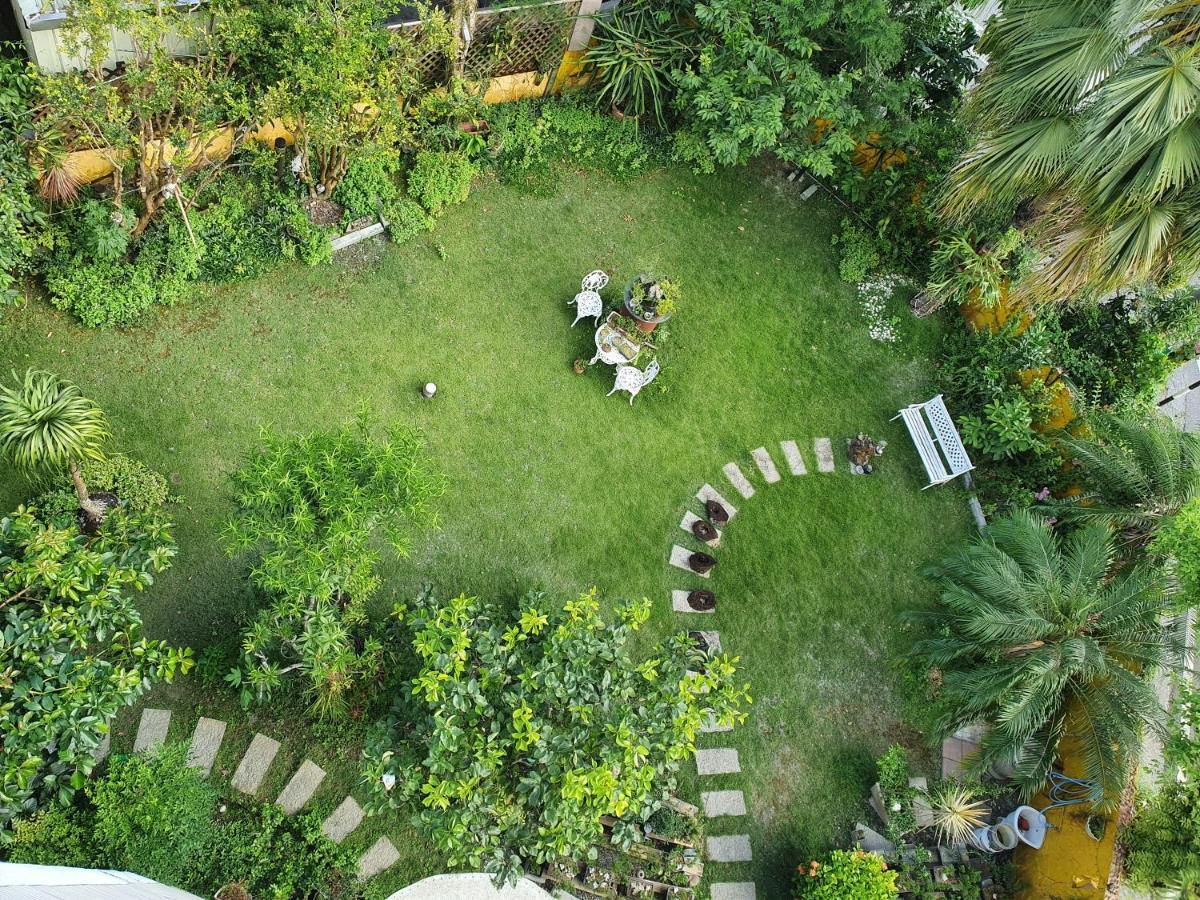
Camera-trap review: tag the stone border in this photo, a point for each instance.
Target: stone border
(722, 762)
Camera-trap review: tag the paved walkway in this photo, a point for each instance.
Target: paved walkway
(1180, 399)
(727, 807)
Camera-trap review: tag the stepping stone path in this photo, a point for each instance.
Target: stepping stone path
(342, 820)
(739, 481)
(206, 741)
(724, 805)
(152, 730)
(301, 788)
(253, 768)
(382, 854)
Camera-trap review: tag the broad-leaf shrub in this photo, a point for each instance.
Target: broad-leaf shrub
(440, 178)
(139, 488)
(71, 644)
(846, 875)
(530, 725)
(310, 509)
(21, 216)
(371, 183)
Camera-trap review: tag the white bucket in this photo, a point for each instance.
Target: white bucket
(994, 838)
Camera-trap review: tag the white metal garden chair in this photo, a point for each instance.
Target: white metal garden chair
(594, 281)
(633, 379)
(587, 303)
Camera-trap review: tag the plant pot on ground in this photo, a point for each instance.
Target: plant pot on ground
(717, 514)
(106, 500)
(651, 300)
(579, 366)
(701, 562)
(704, 531)
(702, 600)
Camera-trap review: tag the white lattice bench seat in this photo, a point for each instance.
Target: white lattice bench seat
(936, 439)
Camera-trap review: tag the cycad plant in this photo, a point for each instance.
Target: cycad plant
(47, 425)
(1090, 109)
(1133, 473)
(1036, 637)
(957, 812)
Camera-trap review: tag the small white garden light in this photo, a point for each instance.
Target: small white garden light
(389, 781)
(429, 390)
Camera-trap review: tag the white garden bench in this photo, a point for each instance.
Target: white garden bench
(936, 440)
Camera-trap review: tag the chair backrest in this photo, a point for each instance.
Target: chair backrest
(594, 281)
(651, 372)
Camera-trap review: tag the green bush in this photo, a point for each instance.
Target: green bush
(846, 875)
(858, 255)
(371, 183)
(406, 219)
(138, 486)
(154, 815)
(893, 786)
(57, 836)
(22, 219)
(440, 178)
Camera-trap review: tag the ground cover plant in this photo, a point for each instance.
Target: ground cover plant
(551, 486)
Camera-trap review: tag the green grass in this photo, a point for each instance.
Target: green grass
(553, 486)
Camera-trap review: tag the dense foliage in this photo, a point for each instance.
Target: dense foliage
(846, 874)
(309, 509)
(21, 216)
(1038, 637)
(533, 724)
(71, 644)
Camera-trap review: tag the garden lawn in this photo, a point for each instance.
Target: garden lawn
(553, 486)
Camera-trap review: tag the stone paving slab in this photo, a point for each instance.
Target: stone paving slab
(707, 492)
(824, 451)
(739, 481)
(679, 604)
(679, 559)
(765, 464)
(1182, 378)
(103, 750)
(690, 519)
(712, 726)
(152, 729)
(253, 768)
(795, 461)
(723, 803)
(300, 788)
(342, 820)
(722, 761)
(382, 854)
(206, 741)
(711, 639)
(729, 848)
(732, 890)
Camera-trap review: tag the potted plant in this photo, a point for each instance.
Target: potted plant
(651, 300)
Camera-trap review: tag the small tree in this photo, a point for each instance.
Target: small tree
(309, 509)
(46, 424)
(533, 725)
(70, 650)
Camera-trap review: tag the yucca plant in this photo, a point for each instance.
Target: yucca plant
(47, 425)
(957, 812)
(1092, 108)
(1134, 473)
(1035, 636)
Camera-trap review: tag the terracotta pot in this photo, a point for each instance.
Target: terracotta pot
(580, 366)
(475, 126)
(644, 324)
(620, 115)
(701, 562)
(701, 600)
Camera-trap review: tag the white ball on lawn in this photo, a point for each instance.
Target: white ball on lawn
(430, 389)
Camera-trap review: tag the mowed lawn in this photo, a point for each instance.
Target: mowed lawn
(552, 485)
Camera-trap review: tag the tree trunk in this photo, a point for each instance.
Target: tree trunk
(465, 13)
(94, 512)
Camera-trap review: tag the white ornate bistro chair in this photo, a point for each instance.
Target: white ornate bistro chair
(633, 379)
(594, 281)
(587, 303)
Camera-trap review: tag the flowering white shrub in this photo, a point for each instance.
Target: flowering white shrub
(873, 297)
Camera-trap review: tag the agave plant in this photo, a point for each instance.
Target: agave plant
(957, 812)
(58, 183)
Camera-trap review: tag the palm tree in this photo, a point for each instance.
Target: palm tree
(1036, 637)
(1090, 109)
(46, 424)
(1134, 472)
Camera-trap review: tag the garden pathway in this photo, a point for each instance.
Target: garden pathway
(729, 805)
(1180, 399)
(251, 772)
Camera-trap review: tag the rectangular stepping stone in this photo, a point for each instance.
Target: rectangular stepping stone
(710, 639)
(729, 848)
(707, 493)
(679, 603)
(824, 450)
(253, 767)
(871, 840)
(794, 460)
(206, 741)
(739, 481)
(690, 519)
(809, 191)
(104, 748)
(723, 803)
(152, 730)
(301, 787)
(342, 820)
(732, 890)
(712, 726)
(679, 559)
(722, 761)
(765, 464)
(382, 854)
